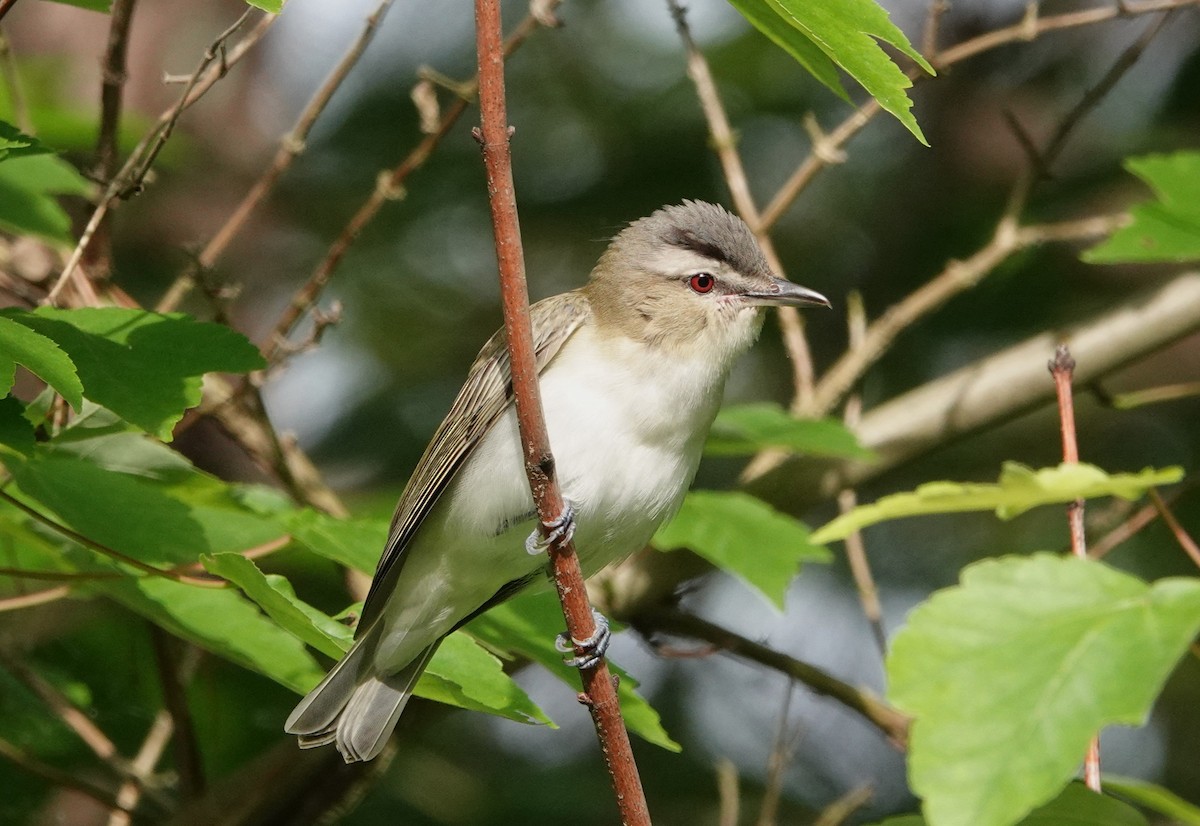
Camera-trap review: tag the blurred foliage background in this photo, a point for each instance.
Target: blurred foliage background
(608, 128)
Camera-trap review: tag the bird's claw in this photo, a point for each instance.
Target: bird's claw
(592, 648)
(559, 531)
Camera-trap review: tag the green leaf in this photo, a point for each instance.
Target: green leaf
(463, 674)
(220, 621)
(154, 521)
(1167, 229)
(846, 32)
(272, 6)
(355, 543)
(1010, 673)
(745, 536)
(16, 434)
(1076, 806)
(145, 367)
(275, 596)
(42, 356)
(1019, 489)
(1154, 797)
(745, 429)
(16, 144)
(791, 40)
(92, 5)
(527, 625)
(28, 189)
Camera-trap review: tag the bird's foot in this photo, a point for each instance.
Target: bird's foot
(592, 648)
(558, 531)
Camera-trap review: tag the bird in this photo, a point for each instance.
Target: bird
(632, 368)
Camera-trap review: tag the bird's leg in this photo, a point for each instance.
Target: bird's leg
(593, 647)
(558, 530)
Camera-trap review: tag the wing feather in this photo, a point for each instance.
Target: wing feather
(484, 397)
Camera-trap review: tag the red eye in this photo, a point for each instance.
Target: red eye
(702, 282)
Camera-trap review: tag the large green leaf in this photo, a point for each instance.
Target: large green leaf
(355, 543)
(460, 674)
(29, 187)
(16, 434)
(146, 367)
(1164, 230)
(848, 33)
(745, 536)
(222, 622)
(1019, 489)
(463, 674)
(42, 356)
(1076, 806)
(527, 626)
(793, 41)
(745, 429)
(275, 596)
(1011, 672)
(155, 521)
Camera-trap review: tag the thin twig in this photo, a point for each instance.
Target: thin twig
(36, 598)
(98, 255)
(290, 147)
(389, 186)
(56, 776)
(933, 27)
(1062, 369)
(141, 768)
(856, 549)
(129, 179)
(173, 673)
(728, 794)
(1181, 536)
(104, 550)
(956, 278)
(818, 158)
(840, 810)
(725, 143)
(600, 692)
(781, 754)
(66, 711)
(891, 722)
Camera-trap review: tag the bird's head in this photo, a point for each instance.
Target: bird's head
(689, 276)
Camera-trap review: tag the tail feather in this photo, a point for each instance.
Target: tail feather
(370, 715)
(318, 712)
(357, 711)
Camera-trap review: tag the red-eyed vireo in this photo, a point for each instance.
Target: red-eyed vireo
(632, 369)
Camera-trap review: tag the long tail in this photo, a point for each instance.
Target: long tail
(356, 711)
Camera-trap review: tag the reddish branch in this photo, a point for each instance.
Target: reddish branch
(1062, 368)
(600, 694)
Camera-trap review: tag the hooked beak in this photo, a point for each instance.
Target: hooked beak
(783, 293)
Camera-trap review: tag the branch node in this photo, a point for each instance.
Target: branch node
(387, 187)
(543, 12)
(826, 150)
(424, 98)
